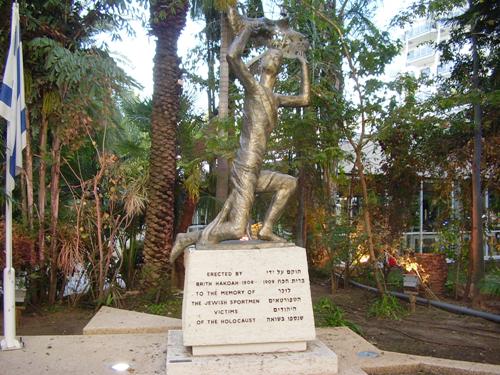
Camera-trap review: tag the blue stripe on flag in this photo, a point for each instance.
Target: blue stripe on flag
(23, 121)
(12, 166)
(6, 94)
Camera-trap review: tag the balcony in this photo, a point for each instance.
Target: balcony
(419, 29)
(421, 55)
(421, 32)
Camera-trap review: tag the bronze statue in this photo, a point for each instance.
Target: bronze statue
(260, 117)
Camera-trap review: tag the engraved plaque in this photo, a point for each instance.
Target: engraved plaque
(246, 296)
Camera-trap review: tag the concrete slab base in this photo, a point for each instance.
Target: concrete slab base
(318, 359)
(109, 320)
(267, 347)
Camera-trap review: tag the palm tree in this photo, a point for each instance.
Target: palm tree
(168, 18)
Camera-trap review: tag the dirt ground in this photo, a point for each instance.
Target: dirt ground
(61, 320)
(429, 331)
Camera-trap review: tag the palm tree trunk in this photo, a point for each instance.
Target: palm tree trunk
(167, 21)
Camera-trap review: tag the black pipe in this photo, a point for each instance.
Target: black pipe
(442, 305)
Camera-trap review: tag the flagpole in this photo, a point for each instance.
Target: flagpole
(9, 285)
(9, 276)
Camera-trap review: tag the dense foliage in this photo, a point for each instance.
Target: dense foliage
(105, 172)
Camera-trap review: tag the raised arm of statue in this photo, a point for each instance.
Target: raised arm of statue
(304, 97)
(244, 29)
(234, 57)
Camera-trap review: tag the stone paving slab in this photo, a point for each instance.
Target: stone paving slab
(86, 355)
(109, 320)
(147, 353)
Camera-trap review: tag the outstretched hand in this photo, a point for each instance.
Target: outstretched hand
(238, 22)
(258, 25)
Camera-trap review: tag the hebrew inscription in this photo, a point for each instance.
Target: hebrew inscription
(247, 296)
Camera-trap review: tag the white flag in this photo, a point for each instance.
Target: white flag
(12, 106)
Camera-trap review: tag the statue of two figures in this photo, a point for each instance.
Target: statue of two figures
(260, 117)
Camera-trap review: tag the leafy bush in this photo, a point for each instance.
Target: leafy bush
(328, 314)
(387, 307)
(491, 283)
(171, 307)
(395, 279)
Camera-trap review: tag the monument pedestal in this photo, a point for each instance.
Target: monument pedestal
(244, 300)
(317, 359)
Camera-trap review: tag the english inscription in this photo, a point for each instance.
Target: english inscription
(272, 299)
(222, 284)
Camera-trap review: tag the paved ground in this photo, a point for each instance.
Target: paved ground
(146, 353)
(428, 332)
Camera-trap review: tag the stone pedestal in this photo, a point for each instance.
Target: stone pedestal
(241, 301)
(317, 359)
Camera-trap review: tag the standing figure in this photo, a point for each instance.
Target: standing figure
(260, 117)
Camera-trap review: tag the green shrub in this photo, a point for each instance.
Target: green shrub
(387, 307)
(395, 279)
(491, 283)
(171, 307)
(327, 314)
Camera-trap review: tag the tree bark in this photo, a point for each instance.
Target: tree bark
(24, 198)
(42, 189)
(29, 172)
(187, 214)
(330, 174)
(184, 223)
(100, 245)
(367, 221)
(54, 215)
(168, 18)
(209, 34)
(222, 168)
(477, 202)
(301, 223)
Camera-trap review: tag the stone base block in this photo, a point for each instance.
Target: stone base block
(317, 359)
(267, 347)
